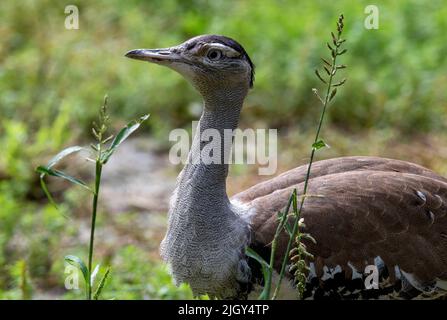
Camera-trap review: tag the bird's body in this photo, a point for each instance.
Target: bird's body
(361, 210)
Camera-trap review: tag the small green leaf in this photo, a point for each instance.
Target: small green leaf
(95, 133)
(252, 254)
(56, 173)
(342, 52)
(78, 263)
(319, 76)
(334, 39)
(101, 284)
(295, 202)
(93, 275)
(326, 62)
(46, 170)
(266, 272)
(319, 145)
(288, 229)
(121, 136)
(333, 93)
(62, 155)
(47, 192)
(282, 221)
(342, 82)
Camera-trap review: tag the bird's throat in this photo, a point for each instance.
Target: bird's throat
(207, 168)
(206, 237)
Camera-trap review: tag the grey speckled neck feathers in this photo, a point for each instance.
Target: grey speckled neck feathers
(206, 236)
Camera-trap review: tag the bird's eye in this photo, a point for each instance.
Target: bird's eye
(214, 54)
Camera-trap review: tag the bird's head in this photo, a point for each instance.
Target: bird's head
(207, 61)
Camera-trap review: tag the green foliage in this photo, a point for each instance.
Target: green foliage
(102, 155)
(22, 288)
(319, 144)
(266, 271)
(397, 78)
(50, 77)
(80, 265)
(122, 135)
(136, 276)
(101, 283)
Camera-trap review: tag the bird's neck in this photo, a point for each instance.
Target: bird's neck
(206, 235)
(206, 171)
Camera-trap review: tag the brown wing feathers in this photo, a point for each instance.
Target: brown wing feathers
(331, 166)
(362, 208)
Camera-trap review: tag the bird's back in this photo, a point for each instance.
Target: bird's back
(361, 211)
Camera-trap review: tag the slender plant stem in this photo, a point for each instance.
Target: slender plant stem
(283, 221)
(103, 152)
(306, 182)
(92, 229)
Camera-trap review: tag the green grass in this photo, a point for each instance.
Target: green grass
(52, 79)
(134, 276)
(100, 153)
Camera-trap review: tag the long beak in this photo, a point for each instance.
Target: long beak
(153, 55)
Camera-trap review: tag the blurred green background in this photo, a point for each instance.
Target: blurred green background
(53, 80)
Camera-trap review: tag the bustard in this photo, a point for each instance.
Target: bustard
(369, 210)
